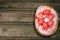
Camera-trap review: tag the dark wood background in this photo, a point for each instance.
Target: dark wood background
(16, 19)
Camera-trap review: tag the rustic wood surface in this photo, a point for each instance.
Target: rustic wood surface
(16, 19)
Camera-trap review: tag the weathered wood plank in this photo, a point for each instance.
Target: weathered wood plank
(11, 31)
(9, 38)
(30, 1)
(24, 16)
(25, 5)
(13, 38)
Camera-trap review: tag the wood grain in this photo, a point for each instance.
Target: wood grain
(25, 5)
(16, 16)
(16, 19)
(57, 1)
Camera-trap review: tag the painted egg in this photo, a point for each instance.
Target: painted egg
(46, 20)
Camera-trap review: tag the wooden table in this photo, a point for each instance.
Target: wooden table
(16, 19)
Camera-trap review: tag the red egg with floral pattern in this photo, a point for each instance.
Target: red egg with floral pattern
(46, 20)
